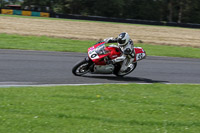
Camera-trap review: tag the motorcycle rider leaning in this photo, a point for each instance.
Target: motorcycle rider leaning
(125, 44)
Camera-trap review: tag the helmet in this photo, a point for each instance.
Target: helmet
(123, 39)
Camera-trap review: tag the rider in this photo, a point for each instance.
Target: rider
(127, 48)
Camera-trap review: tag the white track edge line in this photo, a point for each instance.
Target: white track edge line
(48, 85)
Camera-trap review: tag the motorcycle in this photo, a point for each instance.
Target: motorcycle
(99, 54)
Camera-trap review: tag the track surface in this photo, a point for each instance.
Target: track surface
(20, 67)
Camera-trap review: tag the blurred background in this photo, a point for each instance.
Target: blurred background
(178, 11)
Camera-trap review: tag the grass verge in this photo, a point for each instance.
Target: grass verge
(152, 108)
(67, 45)
(79, 20)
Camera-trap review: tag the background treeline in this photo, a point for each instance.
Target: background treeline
(180, 11)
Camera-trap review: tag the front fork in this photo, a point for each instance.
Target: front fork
(90, 64)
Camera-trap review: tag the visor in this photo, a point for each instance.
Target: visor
(120, 41)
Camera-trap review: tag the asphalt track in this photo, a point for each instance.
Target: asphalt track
(20, 67)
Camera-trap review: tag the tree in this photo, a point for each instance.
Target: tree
(191, 11)
(180, 11)
(109, 8)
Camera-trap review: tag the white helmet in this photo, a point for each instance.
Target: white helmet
(123, 39)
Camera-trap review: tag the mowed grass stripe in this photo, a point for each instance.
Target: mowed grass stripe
(88, 30)
(80, 20)
(151, 108)
(9, 41)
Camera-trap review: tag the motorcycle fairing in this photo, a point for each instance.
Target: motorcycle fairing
(139, 53)
(99, 53)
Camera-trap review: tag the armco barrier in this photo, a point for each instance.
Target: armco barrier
(44, 14)
(7, 11)
(99, 18)
(26, 13)
(132, 21)
(37, 14)
(186, 25)
(17, 12)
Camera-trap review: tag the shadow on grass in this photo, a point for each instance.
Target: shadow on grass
(126, 79)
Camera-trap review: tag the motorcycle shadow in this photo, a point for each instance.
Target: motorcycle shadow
(126, 79)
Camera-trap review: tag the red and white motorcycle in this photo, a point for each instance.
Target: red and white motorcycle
(99, 54)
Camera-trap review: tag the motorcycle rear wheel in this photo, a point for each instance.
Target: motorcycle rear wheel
(120, 74)
(81, 68)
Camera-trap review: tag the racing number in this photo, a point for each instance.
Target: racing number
(93, 56)
(139, 56)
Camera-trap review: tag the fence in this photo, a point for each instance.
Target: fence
(24, 13)
(132, 21)
(97, 18)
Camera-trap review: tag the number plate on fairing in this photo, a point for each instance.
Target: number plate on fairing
(93, 55)
(140, 56)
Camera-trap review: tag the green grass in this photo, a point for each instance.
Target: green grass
(43, 43)
(67, 45)
(172, 51)
(153, 108)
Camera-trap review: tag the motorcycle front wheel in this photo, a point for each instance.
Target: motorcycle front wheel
(81, 68)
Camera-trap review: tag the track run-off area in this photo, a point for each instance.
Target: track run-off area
(24, 68)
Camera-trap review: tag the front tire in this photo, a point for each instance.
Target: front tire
(81, 68)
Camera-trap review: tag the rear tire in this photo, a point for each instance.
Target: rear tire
(81, 68)
(119, 74)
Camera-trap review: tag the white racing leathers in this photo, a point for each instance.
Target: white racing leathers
(127, 56)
